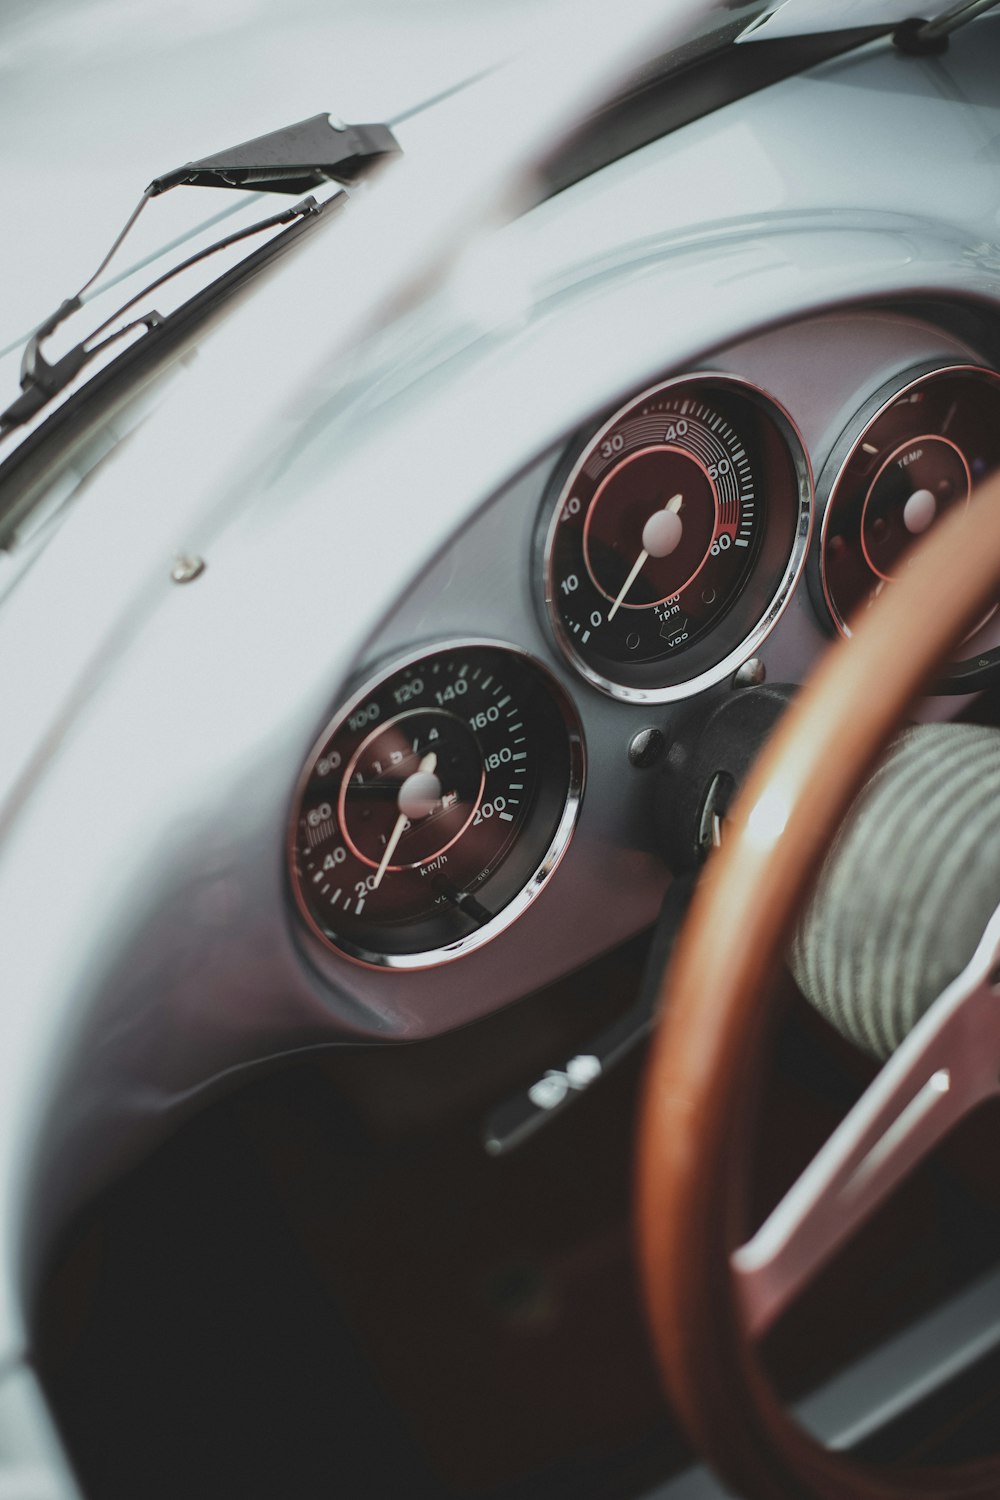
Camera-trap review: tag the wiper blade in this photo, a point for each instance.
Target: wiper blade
(41, 380)
(25, 470)
(305, 155)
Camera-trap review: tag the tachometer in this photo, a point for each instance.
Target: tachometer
(435, 806)
(673, 542)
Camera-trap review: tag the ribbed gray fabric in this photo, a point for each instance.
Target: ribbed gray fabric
(908, 887)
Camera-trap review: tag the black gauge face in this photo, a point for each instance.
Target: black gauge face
(909, 460)
(435, 806)
(675, 537)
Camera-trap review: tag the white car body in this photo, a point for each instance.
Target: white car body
(338, 471)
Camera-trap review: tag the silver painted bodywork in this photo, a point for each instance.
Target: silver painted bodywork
(350, 506)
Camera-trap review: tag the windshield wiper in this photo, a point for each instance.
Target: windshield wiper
(305, 155)
(926, 38)
(922, 35)
(24, 469)
(41, 381)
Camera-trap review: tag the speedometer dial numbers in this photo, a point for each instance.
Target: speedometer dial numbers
(675, 537)
(410, 790)
(435, 806)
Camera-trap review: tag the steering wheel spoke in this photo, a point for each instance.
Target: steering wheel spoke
(941, 1072)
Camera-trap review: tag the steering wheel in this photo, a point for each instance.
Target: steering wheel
(709, 1295)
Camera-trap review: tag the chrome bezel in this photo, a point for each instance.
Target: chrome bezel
(371, 958)
(843, 449)
(749, 643)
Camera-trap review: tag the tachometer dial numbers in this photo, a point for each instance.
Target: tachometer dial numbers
(913, 454)
(435, 807)
(644, 539)
(675, 537)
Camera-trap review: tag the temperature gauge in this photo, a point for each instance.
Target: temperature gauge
(912, 455)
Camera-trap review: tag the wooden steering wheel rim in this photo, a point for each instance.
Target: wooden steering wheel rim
(698, 1099)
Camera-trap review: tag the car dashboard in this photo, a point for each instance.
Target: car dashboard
(605, 879)
(367, 735)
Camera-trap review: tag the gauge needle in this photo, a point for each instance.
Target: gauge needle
(661, 535)
(411, 793)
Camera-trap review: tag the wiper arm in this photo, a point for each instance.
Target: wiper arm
(293, 160)
(305, 155)
(932, 36)
(41, 380)
(925, 34)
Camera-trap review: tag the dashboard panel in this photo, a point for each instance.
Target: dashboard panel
(790, 398)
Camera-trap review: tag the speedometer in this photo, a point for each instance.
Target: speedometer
(674, 539)
(435, 806)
